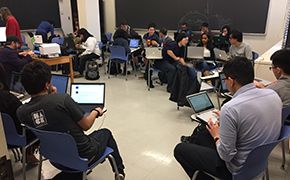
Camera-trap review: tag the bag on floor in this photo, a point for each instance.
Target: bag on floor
(92, 71)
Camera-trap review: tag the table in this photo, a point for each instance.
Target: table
(57, 61)
(152, 53)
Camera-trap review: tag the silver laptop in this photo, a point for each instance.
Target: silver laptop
(263, 81)
(195, 52)
(88, 95)
(221, 54)
(153, 52)
(202, 106)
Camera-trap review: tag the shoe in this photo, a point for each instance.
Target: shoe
(185, 139)
(121, 177)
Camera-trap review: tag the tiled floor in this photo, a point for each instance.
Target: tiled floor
(147, 126)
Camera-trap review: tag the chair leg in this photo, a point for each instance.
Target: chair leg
(109, 70)
(84, 176)
(283, 155)
(24, 162)
(126, 71)
(114, 166)
(135, 69)
(39, 166)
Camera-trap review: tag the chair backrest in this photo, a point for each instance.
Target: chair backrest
(285, 131)
(11, 134)
(118, 52)
(109, 36)
(255, 55)
(60, 148)
(58, 40)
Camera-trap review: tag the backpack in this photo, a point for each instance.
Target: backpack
(92, 71)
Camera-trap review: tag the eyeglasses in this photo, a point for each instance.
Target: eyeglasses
(272, 67)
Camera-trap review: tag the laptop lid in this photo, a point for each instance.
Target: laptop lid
(195, 52)
(200, 102)
(60, 82)
(38, 39)
(15, 83)
(221, 54)
(134, 43)
(223, 82)
(153, 52)
(88, 94)
(2, 34)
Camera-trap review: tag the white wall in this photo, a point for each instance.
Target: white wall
(260, 44)
(89, 16)
(66, 16)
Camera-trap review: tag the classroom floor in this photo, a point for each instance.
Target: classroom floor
(146, 126)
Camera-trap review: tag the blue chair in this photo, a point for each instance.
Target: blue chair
(16, 140)
(58, 40)
(285, 130)
(61, 150)
(109, 36)
(118, 55)
(255, 56)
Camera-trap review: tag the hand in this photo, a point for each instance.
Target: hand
(52, 89)
(181, 61)
(154, 43)
(217, 112)
(259, 84)
(213, 128)
(100, 110)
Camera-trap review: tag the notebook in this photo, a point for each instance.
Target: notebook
(221, 54)
(88, 95)
(60, 82)
(134, 43)
(202, 106)
(195, 52)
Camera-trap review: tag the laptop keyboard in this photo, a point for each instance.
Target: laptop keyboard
(207, 115)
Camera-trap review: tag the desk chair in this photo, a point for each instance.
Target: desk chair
(257, 161)
(61, 150)
(16, 140)
(286, 129)
(118, 55)
(255, 56)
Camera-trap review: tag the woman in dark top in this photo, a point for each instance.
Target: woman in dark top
(224, 38)
(9, 104)
(208, 54)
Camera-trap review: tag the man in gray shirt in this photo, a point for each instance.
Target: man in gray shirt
(250, 119)
(238, 48)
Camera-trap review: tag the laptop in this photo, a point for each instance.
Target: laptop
(195, 52)
(224, 88)
(38, 39)
(153, 52)
(88, 95)
(221, 54)
(263, 81)
(60, 82)
(16, 87)
(134, 43)
(2, 34)
(202, 106)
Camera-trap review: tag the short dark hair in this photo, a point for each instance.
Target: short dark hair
(85, 33)
(235, 34)
(226, 27)
(120, 33)
(184, 23)
(205, 24)
(281, 59)
(34, 77)
(151, 25)
(180, 36)
(240, 69)
(163, 31)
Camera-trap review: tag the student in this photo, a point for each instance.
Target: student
(151, 38)
(90, 47)
(12, 25)
(238, 48)
(59, 112)
(184, 29)
(11, 59)
(164, 38)
(208, 53)
(9, 104)
(281, 69)
(224, 38)
(204, 28)
(44, 28)
(130, 31)
(250, 119)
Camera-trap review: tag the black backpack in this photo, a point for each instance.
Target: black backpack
(92, 71)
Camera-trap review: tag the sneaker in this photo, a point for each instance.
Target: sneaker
(121, 177)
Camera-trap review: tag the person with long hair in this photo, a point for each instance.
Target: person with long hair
(12, 25)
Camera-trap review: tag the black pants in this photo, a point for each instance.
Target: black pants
(83, 59)
(168, 69)
(204, 157)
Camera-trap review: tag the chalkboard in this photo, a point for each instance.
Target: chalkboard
(248, 16)
(30, 13)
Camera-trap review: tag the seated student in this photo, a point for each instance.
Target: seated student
(9, 104)
(281, 70)
(250, 119)
(130, 31)
(151, 38)
(208, 53)
(164, 38)
(173, 55)
(44, 28)
(11, 59)
(120, 38)
(90, 47)
(224, 38)
(204, 28)
(59, 112)
(238, 48)
(184, 29)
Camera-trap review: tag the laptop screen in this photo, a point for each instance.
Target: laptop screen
(134, 43)
(200, 102)
(223, 83)
(2, 34)
(15, 83)
(60, 82)
(88, 94)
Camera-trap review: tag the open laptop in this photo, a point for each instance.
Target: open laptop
(221, 54)
(88, 95)
(224, 88)
(60, 82)
(134, 43)
(38, 39)
(202, 106)
(195, 52)
(16, 87)
(153, 52)
(2, 34)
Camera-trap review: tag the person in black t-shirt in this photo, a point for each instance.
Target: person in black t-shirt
(59, 112)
